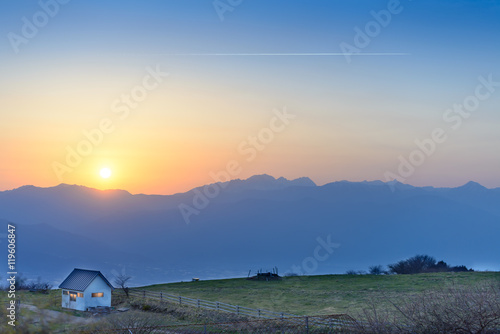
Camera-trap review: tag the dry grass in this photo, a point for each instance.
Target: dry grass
(455, 309)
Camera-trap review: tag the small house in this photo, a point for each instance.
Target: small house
(85, 288)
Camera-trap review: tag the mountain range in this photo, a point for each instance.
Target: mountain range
(228, 228)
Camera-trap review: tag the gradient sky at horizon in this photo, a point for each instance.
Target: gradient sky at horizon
(353, 120)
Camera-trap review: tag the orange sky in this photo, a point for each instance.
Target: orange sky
(164, 134)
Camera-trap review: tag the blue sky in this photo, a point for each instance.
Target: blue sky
(354, 119)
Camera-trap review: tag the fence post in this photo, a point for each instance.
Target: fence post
(230, 308)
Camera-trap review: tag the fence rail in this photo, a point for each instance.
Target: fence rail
(340, 320)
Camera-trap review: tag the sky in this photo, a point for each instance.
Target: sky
(170, 95)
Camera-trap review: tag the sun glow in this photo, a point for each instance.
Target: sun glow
(105, 173)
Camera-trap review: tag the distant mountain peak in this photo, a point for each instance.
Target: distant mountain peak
(471, 185)
(374, 183)
(26, 187)
(65, 188)
(268, 182)
(303, 181)
(261, 178)
(76, 186)
(268, 179)
(395, 184)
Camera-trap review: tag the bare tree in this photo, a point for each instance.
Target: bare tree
(122, 280)
(39, 286)
(21, 282)
(351, 272)
(376, 270)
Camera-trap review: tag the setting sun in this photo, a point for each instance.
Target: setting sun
(105, 173)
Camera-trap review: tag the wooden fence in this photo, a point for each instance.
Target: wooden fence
(340, 320)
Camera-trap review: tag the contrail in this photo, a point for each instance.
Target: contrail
(334, 54)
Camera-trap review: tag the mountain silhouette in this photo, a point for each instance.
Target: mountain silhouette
(260, 222)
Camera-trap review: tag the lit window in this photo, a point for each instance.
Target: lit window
(80, 294)
(65, 292)
(72, 296)
(98, 294)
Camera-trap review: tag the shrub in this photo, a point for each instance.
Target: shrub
(454, 310)
(423, 264)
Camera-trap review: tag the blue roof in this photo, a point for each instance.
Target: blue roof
(80, 279)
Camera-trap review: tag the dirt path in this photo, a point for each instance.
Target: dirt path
(50, 316)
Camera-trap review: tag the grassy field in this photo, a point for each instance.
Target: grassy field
(306, 295)
(319, 295)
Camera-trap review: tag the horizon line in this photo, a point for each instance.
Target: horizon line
(183, 192)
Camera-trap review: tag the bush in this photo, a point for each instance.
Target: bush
(354, 272)
(454, 310)
(457, 269)
(22, 283)
(413, 265)
(423, 264)
(39, 286)
(140, 322)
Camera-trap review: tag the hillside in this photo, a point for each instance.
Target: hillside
(326, 294)
(312, 295)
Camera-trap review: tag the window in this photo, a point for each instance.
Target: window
(97, 294)
(65, 292)
(73, 295)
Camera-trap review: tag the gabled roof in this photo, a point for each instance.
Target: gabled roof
(80, 279)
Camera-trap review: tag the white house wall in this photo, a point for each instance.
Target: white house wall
(81, 304)
(97, 285)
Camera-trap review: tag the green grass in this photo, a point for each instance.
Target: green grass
(51, 300)
(328, 294)
(306, 295)
(26, 318)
